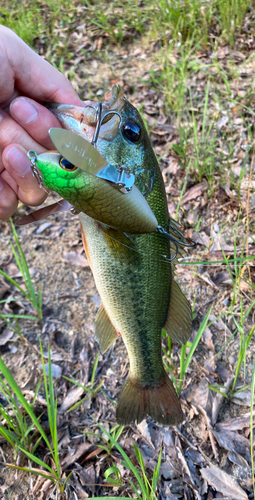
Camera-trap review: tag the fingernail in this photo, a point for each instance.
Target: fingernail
(18, 160)
(23, 111)
(1, 185)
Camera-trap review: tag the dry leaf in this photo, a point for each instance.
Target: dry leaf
(3, 291)
(169, 495)
(210, 363)
(223, 482)
(222, 122)
(6, 335)
(219, 243)
(194, 192)
(14, 272)
(78, 487)
(144, 429)
(201, 394)
(207, 339)
(238, 423)
(243, 398)
(232, 441)
(219, 398)
(70, 459)
(88, 477)
(97, 300)
(201, 238)
(219, 324)
(42, 227)
(224, 278)
(168, 471)
(75, 259)
(206, 278)
(55, 369)
(71, 398)
(237, 459)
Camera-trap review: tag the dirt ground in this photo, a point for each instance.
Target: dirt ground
(208, 456)
(70, 302)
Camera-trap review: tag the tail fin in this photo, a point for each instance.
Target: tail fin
(159, 401)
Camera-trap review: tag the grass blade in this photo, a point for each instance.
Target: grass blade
(8, 376)
(126, 458)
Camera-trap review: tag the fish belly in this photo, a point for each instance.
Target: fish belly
(134, 281)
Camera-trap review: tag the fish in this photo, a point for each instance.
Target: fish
(134, 273)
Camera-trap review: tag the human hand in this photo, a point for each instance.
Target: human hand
(25, 78)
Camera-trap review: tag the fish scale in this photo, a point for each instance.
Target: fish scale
(121, 282)
(133, 272)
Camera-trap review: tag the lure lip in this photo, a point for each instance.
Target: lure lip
(85, 156)
(77, 150)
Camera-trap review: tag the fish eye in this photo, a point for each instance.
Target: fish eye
(131, 131)
(66, 165)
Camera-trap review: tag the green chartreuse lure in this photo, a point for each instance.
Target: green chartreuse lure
(130, 259)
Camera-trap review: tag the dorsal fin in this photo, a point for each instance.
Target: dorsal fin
(179, 319)
(105, 333)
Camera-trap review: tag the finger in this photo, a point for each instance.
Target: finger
(31, 74)
(5, 105)
(8, 200)
(11, 132)
(35, 119)
(9, 180)
(17, 165)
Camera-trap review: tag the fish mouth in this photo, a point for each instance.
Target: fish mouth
(82, 120)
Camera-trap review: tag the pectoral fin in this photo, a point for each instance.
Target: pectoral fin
(105, 333)
(179, 319)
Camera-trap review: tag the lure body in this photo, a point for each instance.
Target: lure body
(132, 272)
(97, 197)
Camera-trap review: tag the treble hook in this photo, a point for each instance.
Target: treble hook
(176, 242)
(174, 228)
(161, 230)
(100, 118)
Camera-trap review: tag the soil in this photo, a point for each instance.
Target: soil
(214, 437)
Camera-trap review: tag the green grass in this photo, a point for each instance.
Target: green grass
(251, 427)
(141, 486)
(186, 354)
(29, 293)
(92, 390)
(185, 34)
(183, 30)
(22, 429)
(124, 21)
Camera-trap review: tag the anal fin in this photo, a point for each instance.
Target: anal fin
(179, 318)
(105, 333)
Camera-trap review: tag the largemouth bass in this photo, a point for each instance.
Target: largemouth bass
(133, 272)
